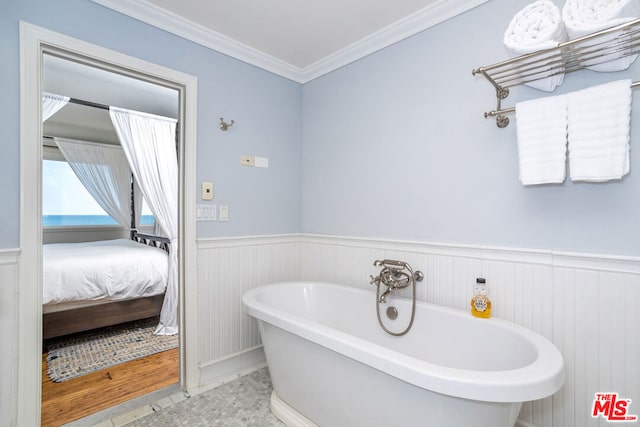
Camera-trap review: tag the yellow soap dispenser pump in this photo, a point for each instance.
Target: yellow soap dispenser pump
(480, 303)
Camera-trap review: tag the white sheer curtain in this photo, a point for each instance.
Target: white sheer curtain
(149, 144)
(52, 103)
(104, 171)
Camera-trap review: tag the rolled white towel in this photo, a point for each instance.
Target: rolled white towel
(583, 17)
(599, 125)
(542, 139)
(537, 26)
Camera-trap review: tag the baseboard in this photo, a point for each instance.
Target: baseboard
(223, 370)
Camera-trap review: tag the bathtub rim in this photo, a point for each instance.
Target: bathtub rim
(540, 379)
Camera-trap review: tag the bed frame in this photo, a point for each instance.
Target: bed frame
(67, 322)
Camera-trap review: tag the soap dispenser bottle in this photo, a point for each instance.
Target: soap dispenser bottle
(480, 303)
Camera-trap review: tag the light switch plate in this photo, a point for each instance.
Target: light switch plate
(224, 213)
(261, 162)
(206, 212)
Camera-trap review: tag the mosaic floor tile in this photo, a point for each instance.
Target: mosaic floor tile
(243, 402)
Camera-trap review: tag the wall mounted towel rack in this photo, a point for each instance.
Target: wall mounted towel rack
(577, 54)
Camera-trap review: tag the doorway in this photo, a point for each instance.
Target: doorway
(100, 305)
(35, 42)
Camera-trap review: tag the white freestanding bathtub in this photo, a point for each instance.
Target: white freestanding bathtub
(332, 365)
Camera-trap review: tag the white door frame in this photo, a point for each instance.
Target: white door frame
(34, 41)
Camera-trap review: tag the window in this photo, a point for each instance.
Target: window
(65, 201)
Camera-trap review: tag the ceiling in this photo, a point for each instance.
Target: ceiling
(298, 39)
(297, 32)
(87, 83)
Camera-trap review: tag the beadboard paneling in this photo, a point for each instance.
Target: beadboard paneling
(8, 334)
(227, 268)
(586, 304)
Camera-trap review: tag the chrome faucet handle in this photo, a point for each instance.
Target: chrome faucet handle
(375, 280)
(394, 275)
(389, 263)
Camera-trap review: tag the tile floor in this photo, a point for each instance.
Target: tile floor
(243, 402)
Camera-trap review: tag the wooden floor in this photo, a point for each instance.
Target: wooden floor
(76, 398)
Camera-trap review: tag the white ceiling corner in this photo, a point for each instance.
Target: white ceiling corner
(435, 12)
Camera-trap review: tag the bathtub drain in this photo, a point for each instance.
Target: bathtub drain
(392, 313)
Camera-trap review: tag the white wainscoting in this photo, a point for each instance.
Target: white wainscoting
(229, 341)
(8, 334)
(586, 304)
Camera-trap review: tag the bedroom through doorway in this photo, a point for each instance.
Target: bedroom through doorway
(110, 270)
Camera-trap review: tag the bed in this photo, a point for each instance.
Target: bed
(90, 285)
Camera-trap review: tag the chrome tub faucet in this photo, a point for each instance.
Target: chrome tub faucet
(394, 275)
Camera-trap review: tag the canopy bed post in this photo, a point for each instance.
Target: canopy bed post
(133, 209)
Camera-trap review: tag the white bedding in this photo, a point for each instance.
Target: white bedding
(107, 270)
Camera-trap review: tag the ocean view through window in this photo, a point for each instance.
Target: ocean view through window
(63, 220)
(65, 201)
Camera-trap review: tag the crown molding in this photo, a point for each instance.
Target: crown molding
(432, 15)
(151, 14)
(147, 12)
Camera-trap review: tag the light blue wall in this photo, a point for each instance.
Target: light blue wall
(393, 145)
(266, 109)
(396, 146)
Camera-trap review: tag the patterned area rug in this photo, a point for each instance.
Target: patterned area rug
(80, 354)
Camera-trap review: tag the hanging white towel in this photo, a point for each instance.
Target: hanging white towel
(583, 17)
(536, 27)
(542, 139)
(599, 121)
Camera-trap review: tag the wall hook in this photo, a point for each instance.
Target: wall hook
(224, 125)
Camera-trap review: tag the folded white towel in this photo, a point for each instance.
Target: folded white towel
(583, 17)
(542, 139)
(537, 26)
(599, 121)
